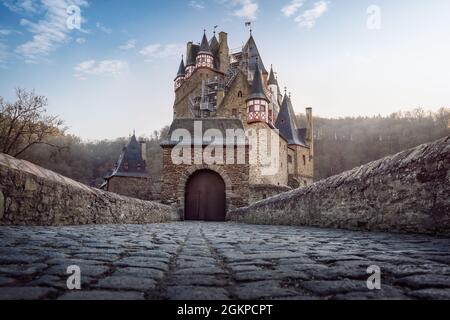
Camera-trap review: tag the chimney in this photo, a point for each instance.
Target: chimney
(143, 149)
(310, 130)
(224, 52)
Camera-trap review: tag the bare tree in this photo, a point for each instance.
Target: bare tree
(25, 123)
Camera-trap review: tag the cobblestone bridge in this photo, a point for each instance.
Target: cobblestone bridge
(219, 261)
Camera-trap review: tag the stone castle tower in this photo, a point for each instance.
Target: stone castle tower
(220, 90)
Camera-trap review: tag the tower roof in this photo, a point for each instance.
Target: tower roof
(181, 69)
(214, 44)
(257, 91)
(251, 51)
(204, 46)
(272, 80)
(192, 55)
(287, 125)
(130, 163)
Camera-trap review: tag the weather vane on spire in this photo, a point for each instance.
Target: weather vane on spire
(215, 27)
(249, 25)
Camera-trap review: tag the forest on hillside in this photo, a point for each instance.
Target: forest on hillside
(27, 132)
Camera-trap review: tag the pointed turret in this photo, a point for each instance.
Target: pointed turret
(204, 46)
(287, 125)
(180, 75)
(251, 57)
(131, 163)
(181, 69)
(205, 57)
(257, 102)
(257, 91)
(272, 80)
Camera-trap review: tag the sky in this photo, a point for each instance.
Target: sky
(107, 66)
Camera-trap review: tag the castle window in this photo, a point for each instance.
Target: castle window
(289, 158)
(251, 108)
(240, 94)
(262, 108)
(234, 112)
(304, 160)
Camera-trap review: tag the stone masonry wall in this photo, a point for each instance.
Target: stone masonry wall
(134, 187)
(407, 192)
(31, 195)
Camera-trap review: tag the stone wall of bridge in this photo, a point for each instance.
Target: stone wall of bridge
(407, 192)
(31, 195)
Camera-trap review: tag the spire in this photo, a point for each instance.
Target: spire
(287, 125)
(272, 80)
(204, 47)
(257, 91)
(181, 69)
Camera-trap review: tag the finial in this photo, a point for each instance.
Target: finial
(215, 27)
(285, 90)
(134, 132)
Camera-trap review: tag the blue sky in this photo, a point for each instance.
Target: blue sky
(114, 74)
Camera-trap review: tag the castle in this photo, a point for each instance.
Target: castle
(220, 91)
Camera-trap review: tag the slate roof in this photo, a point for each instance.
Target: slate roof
(257, 91)
(204, 47)
(220, 124)
(286, 123)
(129, 161)
(251, 51)
(272, 79)
(181, 69)
(192, 55)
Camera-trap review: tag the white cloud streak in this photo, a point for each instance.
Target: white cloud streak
(158, 51)
(246, 9)
(309, 18)
(196, 5)
(103, 28)
(107, 68)
(292, 8)
(49, 32)
(131, 44)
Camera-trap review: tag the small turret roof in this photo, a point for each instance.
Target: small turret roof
(204, 46)
(181, 69)
(192, 55)
(272, 80)
(287, 125)
(130, 163)
(257, 91)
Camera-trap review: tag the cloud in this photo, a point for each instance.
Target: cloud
(49, 32)
(158, 51)
(292, 8)
(196, 5)
(7, 32)
(80, 40)
(21, 6)
(246, 9)
(131, 44)
(102, 28)
(308, 18)
(109, 68)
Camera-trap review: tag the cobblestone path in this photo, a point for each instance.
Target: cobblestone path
(219, 261)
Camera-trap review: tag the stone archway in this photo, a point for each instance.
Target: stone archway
(181, 192)
(205, 197)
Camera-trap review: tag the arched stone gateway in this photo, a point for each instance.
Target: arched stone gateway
(205, 197)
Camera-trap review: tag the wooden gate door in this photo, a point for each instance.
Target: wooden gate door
(205, 197)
